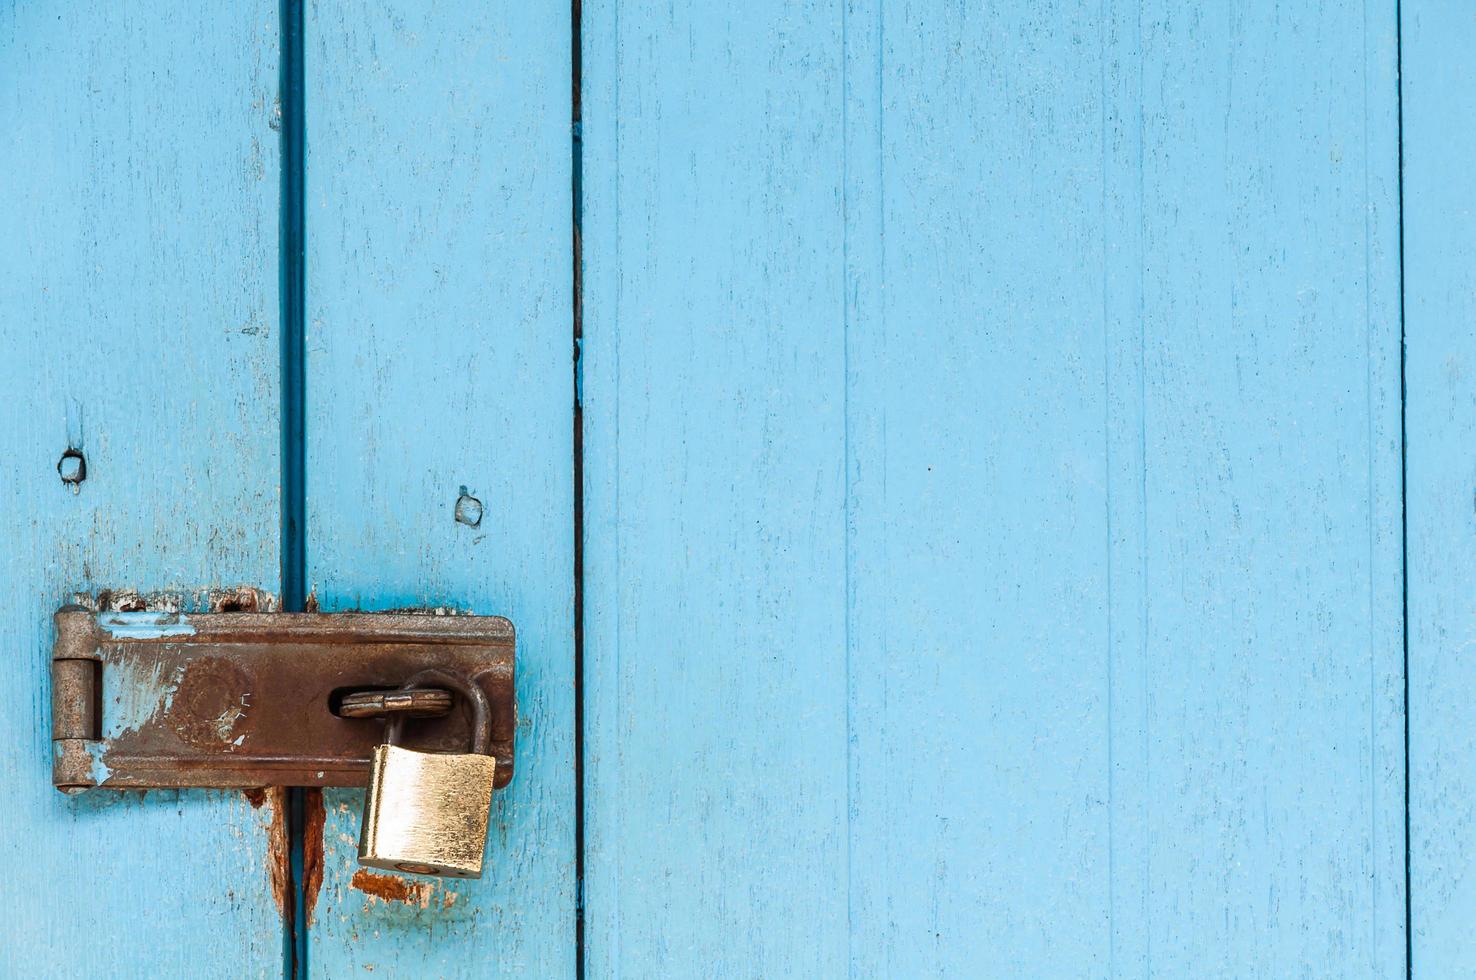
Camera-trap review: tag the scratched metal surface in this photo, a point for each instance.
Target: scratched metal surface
(242, 699)
(439, 446)
(1439, 94)
(138, 306)
(992, 453)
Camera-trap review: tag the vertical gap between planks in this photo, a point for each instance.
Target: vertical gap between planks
(293, 491)
(1403, 482)
(577, 285)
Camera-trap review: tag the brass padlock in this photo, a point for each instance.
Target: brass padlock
(426, 812)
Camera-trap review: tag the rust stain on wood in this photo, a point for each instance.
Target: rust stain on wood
(392, 889)
(279, 853)
(389, 888)
(313, 817)
(256, 796)
(279, 849)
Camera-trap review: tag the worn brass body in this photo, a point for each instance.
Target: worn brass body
(426, 812)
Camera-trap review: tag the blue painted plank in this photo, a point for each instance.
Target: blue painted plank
(714, 412)
(1439, 97)
(992, 490)
(439, 324)
(1264, 258)
(137, 314)
(978, 633)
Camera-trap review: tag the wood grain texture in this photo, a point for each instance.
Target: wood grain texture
(137, 313)
(1272, 565)
(992, 490)
(1439, 95)
(439, 343)
(715, 568)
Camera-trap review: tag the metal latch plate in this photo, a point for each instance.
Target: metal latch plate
(146, 700)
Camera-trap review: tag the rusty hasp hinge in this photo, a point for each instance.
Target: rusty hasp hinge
(143, 700)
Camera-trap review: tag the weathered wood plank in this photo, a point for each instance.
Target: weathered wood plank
(439, 345)
(1271, 721)
(980, 656)
(1439, 95)
(715, 543)
(138, 308)
(992, 442)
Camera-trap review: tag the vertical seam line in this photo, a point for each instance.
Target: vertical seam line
(292, 291)
(1403, 485)
(576, 285)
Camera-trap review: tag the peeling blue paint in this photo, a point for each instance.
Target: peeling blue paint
(139, 691)
(144, 625)
(100, 771)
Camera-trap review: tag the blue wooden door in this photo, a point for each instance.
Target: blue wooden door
(983, 490)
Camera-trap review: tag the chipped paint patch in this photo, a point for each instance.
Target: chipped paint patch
(244, 598)
(100, 771)
(144, 625)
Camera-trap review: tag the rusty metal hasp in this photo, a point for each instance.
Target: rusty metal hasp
(143, 700)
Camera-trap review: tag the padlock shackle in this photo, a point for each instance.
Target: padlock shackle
(481, 708)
